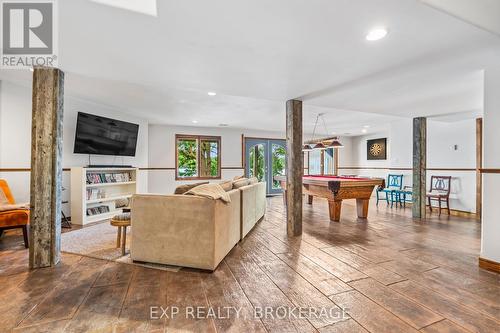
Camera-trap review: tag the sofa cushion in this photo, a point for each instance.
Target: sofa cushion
(227, 185)
(238, 177)
(253, 180)
(240, 183)
(186, 187)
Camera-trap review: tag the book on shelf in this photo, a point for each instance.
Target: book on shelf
(97, 210)
(95, 193)
(103, 178)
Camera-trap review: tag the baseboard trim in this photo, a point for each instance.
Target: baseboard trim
(454, 212)
(461, 213)
(489, 265)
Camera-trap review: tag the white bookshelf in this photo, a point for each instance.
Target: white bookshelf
(105, 192)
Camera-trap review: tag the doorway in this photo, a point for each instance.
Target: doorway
(265, 159)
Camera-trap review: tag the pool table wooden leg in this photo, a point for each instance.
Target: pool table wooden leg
(334, 207)
(309, 199)
(362, 206)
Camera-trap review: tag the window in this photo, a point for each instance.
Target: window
(315, 162)
(197, 157)
(322, 162)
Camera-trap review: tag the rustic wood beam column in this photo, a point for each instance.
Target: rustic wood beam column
(336, 161)
(479, 166)
(46, 167)
(322, 162)
(419, 167)
(294, 167)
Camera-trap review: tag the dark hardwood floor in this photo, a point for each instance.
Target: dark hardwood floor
(389, 274)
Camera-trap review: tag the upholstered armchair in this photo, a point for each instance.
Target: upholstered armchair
(12, 215)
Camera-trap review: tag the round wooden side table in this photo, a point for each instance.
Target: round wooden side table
(121, 221)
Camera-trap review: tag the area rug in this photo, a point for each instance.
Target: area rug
(99, 241)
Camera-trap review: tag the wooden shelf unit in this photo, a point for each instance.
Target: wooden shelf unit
(111, 191)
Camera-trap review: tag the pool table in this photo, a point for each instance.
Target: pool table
(338, 188)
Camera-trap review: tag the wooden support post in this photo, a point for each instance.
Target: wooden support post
(479, 166)
(294, 167)
(46, 167)
(336, 161)
(419, 166)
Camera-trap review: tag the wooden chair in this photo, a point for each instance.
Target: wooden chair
(394, 183)
(13, 218)
(440, 192)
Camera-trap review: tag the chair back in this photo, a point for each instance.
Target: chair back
(395, 181)
(441, 183)
(6, 190)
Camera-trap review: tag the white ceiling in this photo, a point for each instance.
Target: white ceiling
(256, 54)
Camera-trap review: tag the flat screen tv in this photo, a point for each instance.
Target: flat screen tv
(104, 136)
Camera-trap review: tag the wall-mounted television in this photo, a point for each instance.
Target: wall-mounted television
(104, 136)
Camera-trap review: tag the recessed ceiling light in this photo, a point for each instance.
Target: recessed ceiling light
(366, 126)
(364, 130)
(211, 93)
(195, 121)
(376, 34)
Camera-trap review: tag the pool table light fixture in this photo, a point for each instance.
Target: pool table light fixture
(320, 146)
(335, 143)
(306, 147)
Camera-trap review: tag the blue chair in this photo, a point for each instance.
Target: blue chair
(394, 183)
(403, 196)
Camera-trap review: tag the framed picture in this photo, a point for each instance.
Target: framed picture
(376, 149)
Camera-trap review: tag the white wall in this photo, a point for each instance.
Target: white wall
(441, 138)
(490, 232)
(15, 139)
(397, 153)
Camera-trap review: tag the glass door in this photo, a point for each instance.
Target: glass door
(265, 158)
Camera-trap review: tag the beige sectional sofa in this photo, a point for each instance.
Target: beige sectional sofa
(193, 231)
(253, 206)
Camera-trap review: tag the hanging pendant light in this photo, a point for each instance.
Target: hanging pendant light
(306, 147)
(320, 146)
(335, 143)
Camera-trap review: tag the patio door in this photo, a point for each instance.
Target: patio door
(265, 158)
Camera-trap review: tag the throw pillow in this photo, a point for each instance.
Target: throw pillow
(253, 180)
(240, 183)
(227, 185)
(238, 177)
(184, 188)
(3, 199)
